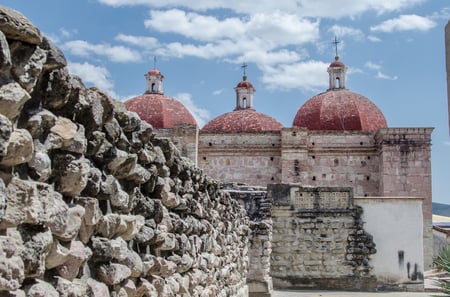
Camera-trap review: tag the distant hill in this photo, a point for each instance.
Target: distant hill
(441, 209)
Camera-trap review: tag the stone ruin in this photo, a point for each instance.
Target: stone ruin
(92, 203)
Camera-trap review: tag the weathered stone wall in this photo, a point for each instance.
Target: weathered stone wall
(251, 158)
(184, 137)
(259, 210)
(405, 160)
(91, 202)
(331, 158)
(318, 240)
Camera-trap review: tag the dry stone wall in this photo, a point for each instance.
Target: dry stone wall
(91, 202)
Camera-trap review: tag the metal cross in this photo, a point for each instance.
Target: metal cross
(244, 66)
(336, 42)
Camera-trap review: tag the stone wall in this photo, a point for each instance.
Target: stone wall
(91, 202)
(259, 210)
(318, 239)
(251, 158)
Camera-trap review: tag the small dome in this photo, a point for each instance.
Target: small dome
(160, 111)
(337, 63)
(154, 72)
(243, 120)
(339, 109)
(245, 83)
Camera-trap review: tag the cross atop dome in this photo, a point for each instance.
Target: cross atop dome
(336, 70)
(244, 92)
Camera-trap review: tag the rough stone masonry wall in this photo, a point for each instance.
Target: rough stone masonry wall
(259, 210)
(91, 202)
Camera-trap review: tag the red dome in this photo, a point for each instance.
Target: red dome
(243, 120)
(154, 72)
(244, 84)
(160, 111)
(339, 110)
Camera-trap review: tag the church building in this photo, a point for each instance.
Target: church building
(338, 138)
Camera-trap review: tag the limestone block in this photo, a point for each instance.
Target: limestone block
(134, 262)
(128, 120)
(20, 148)
(40, 288)
(55, 57)
(40, 165)
(71, 174)
(130, 288)
(114, 249)
(57, 256)
(17, 27)
(113, 130)
(78, 254)
(168, 241)
(40, 123)
(11, 264)
(140, 175)
(97, 289)
(28, 62)
(68, 136)
(145, 288)
(5, 134)
(53, 89)
(99, 112)
(92, 213)
(37, 243)
(66, 288)
(113, 273)
(3, 199)
(122, 164)
(71, 224)
(32, 203)
(5, 55)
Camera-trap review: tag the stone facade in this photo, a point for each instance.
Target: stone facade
(318, 239)
(92, 202)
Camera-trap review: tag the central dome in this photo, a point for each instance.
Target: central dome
(339, 108)
(244, 118)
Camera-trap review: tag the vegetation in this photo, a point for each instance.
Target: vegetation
(442, 262)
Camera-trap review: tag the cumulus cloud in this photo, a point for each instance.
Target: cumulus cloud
(306, 8)
(342, 31)
(310, 75)
(218, 92)
(405, 23)
(139, 41)
(373, 38)
(96, 75)
(118, 54)
(379, 74)
(201, 115)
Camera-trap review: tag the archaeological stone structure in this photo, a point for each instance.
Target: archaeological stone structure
(338, 139)
(92, 202)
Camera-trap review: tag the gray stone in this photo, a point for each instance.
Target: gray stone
(37, 244)
(75, 288)
(94, 182)
(134, 262)
(71, 174)
(5, 134)
(113, 273)
(145, 288)
(17, 27)
(53, 89)
(78, 254)
(40, 122)
(5, 55)
(106, 250)
(40, 166)
(128, 120)
(67, 227)
(41, 289)
(97, 289)
(28, 62)
(55, 57)
(11, 264)
(12, 99)
(20, 148)
(122, 164)
(32, 203)
(57, 256)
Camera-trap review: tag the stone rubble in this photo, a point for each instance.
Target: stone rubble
(92, 203)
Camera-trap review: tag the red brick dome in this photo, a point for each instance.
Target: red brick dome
(160, 111)
(339, 109)
(243, 120)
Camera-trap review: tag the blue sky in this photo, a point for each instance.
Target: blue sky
(394, 51)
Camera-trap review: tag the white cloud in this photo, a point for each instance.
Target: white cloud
(373, 38)
(140, 41)
(372, 65)
(342, 31)
(118, 54)
(304, 8)
(96, 75)
(218, 92)
(385, 76)
(201, 115)
(310, 75)
(405, 23)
